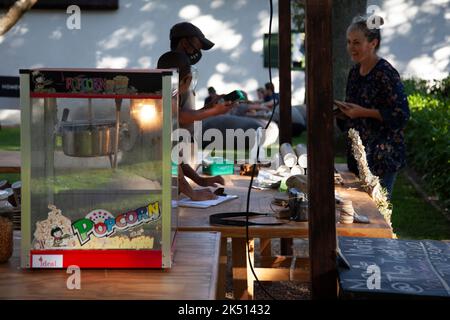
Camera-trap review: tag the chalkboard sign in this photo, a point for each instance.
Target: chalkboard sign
(9, 86)
(405, 267)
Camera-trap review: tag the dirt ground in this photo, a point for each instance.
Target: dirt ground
(280, 290)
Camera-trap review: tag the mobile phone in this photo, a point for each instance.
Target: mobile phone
(220, 192)
(336, 110)
(339, 104)
(236, 95)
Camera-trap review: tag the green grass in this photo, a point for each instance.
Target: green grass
(82, 179)
(412, 217)
(340, 159)
(299, 139)
(11, 177)
(10, 139)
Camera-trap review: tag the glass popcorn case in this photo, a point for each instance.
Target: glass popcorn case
(97, 174)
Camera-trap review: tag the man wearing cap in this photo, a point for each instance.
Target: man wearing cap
(187, 38)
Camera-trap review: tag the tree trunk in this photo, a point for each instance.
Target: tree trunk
(343, 13)
(15, 12)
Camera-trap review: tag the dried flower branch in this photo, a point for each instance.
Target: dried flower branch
(371, 183)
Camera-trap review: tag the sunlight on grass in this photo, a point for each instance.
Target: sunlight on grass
(413, 218)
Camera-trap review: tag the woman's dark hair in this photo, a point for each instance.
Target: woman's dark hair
(175, 59)
(371, 33)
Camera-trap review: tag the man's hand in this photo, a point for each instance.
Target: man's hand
(212, 181)
(203, 194)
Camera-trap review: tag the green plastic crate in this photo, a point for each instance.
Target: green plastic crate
(217, 166)
(174, 169)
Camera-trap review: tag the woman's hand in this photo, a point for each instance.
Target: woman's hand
(203, 194)
(354, 111)
(212, 181)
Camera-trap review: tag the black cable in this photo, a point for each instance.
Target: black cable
(276, 102)
(247, 212)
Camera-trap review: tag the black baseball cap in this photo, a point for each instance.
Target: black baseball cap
(187, 29)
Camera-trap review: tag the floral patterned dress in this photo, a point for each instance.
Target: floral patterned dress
(383, 90)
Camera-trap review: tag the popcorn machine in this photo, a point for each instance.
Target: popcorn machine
(97, 178)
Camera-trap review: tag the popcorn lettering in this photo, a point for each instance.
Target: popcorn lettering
(101, 223)
(80, 84)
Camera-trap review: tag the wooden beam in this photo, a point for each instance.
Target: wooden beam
(223, 260)
(319, 86)
(284, 56)
(265, 247)
(239, 258)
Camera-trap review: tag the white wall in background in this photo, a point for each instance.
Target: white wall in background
(138, 33)
(416, 36)
(416, 40)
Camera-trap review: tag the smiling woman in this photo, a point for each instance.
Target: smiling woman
(375, 104)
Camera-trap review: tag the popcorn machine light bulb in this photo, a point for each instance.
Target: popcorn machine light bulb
(147, 113)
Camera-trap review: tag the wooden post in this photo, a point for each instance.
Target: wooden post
(319, 86)
(284, 54)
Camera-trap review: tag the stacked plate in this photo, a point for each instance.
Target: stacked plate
(8, 198)
(16, 218)
(346, 211)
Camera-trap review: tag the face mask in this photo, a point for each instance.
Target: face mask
(195, 56)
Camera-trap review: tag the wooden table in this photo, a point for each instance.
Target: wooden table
(192, 219)
(194, 276)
